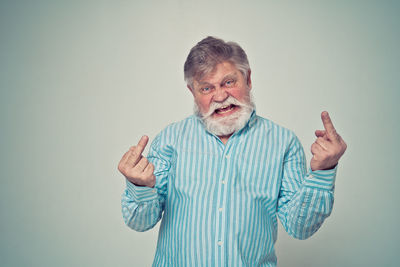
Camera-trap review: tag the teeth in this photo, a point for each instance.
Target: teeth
(224, 109)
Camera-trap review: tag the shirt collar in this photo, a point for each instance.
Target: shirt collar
(252, 119)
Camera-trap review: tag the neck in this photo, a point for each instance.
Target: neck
(224, 138)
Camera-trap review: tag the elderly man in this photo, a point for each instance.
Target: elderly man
(220, 178)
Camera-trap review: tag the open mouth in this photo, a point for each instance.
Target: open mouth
(225, 109)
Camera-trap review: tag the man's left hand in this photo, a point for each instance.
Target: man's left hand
(329, 146)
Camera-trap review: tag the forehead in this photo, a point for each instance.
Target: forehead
(220, 71)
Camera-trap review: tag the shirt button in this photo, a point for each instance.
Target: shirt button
(223, 181)
(227, 156)
(304, 204)
(220, 209)
(154, 191)
(219, 243)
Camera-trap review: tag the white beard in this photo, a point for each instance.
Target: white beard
(226, 125)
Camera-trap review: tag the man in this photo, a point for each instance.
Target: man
(220, 178)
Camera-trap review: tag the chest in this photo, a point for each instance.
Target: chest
(251, 170)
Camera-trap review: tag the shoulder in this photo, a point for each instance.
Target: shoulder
(273, 128)
(177, 128)
(276, 134)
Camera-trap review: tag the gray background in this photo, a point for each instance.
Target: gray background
(82, 81)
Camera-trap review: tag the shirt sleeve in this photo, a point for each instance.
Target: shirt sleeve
(142, 206)
(306, 198)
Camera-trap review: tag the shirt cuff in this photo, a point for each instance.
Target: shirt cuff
(321, 179)
(141, 193)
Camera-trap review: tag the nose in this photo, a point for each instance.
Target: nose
(220, 95)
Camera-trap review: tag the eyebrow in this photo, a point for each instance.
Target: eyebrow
(230, 76)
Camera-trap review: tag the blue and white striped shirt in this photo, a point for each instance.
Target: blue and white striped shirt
(219, 203)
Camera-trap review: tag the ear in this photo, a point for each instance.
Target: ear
(249, 79)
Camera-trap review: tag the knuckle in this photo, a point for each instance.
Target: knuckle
(120, 168)
(313, 146)
(124, 170)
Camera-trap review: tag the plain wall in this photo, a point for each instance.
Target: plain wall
(81, 81)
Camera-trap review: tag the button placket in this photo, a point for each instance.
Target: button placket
(223, 191)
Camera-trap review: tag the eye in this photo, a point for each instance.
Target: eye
(229, 83)
(205, 90)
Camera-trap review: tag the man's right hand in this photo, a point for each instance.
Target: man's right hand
(136, 168)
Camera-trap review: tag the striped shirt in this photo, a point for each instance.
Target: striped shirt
(219, 203)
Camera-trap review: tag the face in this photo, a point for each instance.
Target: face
(222, 99)
(224, 81)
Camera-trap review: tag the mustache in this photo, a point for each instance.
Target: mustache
(227, 102)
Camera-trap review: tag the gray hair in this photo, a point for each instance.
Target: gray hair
(211, 51)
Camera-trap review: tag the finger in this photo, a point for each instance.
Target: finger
(320, 141)
(316, 150)
(136, 151)
(320, 133)
(142, 164)
(124, 158)
(133, 158)
(149, 169)
(149, 175)
(328, 125)
(142, 144)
